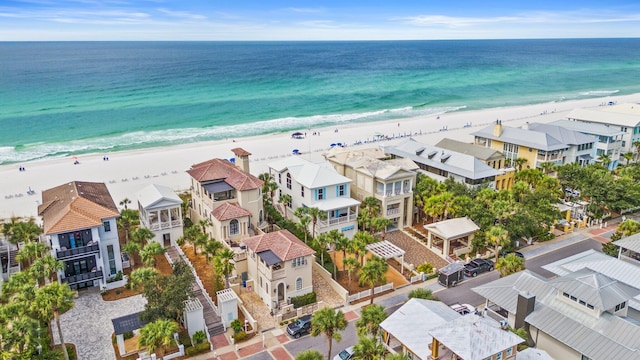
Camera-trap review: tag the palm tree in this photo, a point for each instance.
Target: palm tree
(368, 348)
(358, 245)
(340, 243)
(141, 235)
(373, 272)
(636, 144)
(142, 276)
(381, 223)
(127, 219)
(370, 209)
(224, 263)
(421, 293)
(330, 322)
(285, 200)
(211, 248)
(131, 247)
(350, 265)
(315, 214)
(626, 228)
(628, 156)
(50, 302)
(200, 240)
(24, 232)
(31, 251)
(370, 318)
(520, 162)
(303, 221)
(269, 186)
(309, 355)
(321, 241)
(605, 159)
(203, 223)
(43, 268)
(498, 237)
(547, 166)
(397, 356)
(149, 252)
(158, 335)
(509, 264)
(124, 202)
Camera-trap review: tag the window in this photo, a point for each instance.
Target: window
(299, 261)
(499, 356)
(234, 227)
(112, 260)
(279, 178)
(341, 190)
(321, 194)
(620, 306)
(510, 351)
(288, 181)
(299, 284)
(302, 191)
(107, 226)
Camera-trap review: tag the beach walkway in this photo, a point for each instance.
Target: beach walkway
(211, 319)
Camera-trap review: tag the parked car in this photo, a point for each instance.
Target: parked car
(504, 253)
(345, 354)
(464, 309)
(300, 327)
(451, 274)
(478, 266)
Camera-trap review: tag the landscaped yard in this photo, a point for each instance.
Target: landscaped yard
(162, 265)
(205, 270)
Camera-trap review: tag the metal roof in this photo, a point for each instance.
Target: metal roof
(630, 243)
(480, 152)
(533, 354)
(335, 203)
(308, 174)
(564, 135)
(588, 128)
(453, 228)
(624, 114)
(411, 323)
(128, 323)
(269, 257)
(452, 268)
(523, 137)
(455, 163)
(504, 291)
(155, 195)
(218, 186)
(474, 337)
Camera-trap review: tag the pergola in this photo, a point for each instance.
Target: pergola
(387, 250)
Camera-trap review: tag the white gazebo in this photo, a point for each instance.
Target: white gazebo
(387, 250)
(458, 230)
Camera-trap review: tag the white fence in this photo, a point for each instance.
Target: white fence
(416, 278)
(367, 293)
(342, 292)
(198, 281)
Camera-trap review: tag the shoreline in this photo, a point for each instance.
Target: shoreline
(128, 171)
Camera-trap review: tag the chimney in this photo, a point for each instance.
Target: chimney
(525, 126)
(525, 306)
(497, 128)
(243, 159)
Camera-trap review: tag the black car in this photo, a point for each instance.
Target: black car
(300, 327)
(478, 266)
(504, 253)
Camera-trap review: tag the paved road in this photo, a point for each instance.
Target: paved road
(320, 343)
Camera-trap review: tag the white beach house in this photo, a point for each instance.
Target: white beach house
(161, 212)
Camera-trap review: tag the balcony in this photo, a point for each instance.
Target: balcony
(393, 193)
(73, 279)
(339, 220)
(395, 211)
(65, 253)
(274, 272)
(166, 225)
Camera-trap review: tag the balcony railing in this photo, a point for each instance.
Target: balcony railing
(338, 220)
(83, 277)
(393, 193)
(393, 211)
(67, 253)
(166, 225)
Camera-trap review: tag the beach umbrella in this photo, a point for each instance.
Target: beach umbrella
(296, 151)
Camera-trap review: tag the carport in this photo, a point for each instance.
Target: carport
(387, 250)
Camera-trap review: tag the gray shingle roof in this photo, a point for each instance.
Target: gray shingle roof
(453, 162)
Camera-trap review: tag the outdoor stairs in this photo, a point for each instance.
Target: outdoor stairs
(211, 319)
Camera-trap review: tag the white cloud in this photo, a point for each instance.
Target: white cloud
(182, 14)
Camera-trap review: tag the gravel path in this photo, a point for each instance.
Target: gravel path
(416, 253)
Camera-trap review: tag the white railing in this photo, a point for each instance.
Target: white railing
(198, 281)
(338, 220)
(358, 296)
(393, 211)
(383, 288)
(416, 278)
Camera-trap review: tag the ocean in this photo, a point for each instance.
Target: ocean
(67, 98)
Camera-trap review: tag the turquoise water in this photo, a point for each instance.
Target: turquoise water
(64, 98)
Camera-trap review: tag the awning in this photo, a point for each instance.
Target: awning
(128, 323)
(586, 157)
(216, 187)
(269, 257)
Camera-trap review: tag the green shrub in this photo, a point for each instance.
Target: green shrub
(236, 325)
(198, 349)
(302, 300)
(184, 339)
(425, 268)
(199, 337)
(127, 335)
(239, 336)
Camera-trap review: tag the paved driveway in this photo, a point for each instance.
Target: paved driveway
(88, 323)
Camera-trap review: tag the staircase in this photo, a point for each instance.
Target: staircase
(211, 318)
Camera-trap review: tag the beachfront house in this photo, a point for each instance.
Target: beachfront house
(577, 316)
(227, 197)
(623, 117)
(491, 157)
(160, 211)
(537, 144)
(374, 174)
(317, 185)
(608, 139)
(440, 164)
(80, 223)
(279, 266)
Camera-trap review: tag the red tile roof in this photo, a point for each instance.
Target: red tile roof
(218, 169)
(76, 205)
(240, 152)
(228, 211)
(283, 243)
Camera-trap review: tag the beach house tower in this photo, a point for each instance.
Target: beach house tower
(227, 197)
(375, 174)
(160, 211)
(317, 185)
(80, 223)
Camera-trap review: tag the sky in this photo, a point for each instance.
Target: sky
(272, 20)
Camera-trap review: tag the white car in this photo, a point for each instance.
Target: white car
(345, 354)
(464, 309)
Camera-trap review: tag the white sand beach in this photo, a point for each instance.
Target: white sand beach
(127, 172)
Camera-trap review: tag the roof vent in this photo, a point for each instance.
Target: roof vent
(432, 154)
(445, 157)
(419, 151)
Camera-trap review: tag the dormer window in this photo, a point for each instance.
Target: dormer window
(621, 306)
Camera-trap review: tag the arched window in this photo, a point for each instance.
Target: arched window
(299, 283)
(288, 181)
(234, 227)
